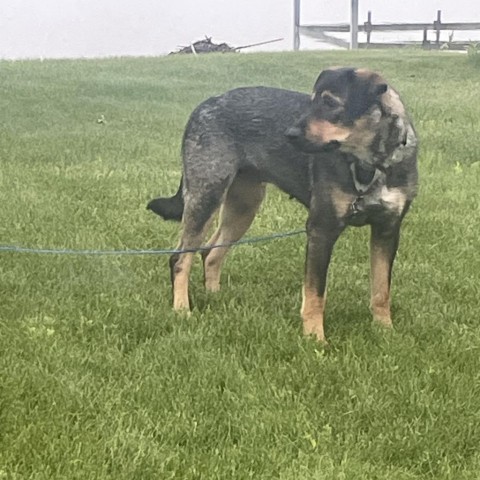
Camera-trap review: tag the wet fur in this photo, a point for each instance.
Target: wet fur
(323, 150)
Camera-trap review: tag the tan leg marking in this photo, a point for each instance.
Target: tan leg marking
(183, 266)
(312, 310)
(238, 211)
(380, 289)
(180, 282)
(211, 276)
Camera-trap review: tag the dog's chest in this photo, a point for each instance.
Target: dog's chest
(370, 200)
(380, 202)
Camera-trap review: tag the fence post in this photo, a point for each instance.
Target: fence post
(296, 25)
(425, 42)
(436, 25)
(354, 26)
(368, 26)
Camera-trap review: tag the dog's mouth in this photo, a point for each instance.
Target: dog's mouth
(310, 147)
(332, 145)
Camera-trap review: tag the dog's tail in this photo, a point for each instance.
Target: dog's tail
(169, 208)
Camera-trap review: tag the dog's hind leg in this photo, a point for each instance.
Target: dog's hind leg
(238, 211)
(197, 218)
(210, 164)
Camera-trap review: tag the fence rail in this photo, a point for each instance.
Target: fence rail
(321, 32)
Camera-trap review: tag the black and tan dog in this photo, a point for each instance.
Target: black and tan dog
(348, 153)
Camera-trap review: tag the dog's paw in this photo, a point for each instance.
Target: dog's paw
(383, 320)
(212, 287)
(315, 331)
(181, 306)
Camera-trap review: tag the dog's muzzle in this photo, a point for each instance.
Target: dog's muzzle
(296, 137)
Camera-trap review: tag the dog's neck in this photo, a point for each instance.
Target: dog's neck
(394, 142)
(396, 139)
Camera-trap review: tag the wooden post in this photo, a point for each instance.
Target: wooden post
(368, 26)
(354, 26)
(437, 24)
(296, 25)
(425, 43)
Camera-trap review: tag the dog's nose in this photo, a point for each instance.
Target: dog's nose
(293, 133)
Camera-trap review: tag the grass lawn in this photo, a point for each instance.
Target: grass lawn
(99, 379)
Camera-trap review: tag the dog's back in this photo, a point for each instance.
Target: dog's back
(241, 130)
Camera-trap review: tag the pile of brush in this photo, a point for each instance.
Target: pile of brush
(207, 46)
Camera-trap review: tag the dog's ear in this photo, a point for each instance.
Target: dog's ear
(391, 103)
(350, 73)
(335, 75)
(381, 89)
(323, 74)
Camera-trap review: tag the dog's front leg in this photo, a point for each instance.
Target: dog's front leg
(383, 248)
(321, 239)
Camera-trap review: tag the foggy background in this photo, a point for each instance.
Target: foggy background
(100, 28)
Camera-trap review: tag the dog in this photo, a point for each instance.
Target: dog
(348, 153)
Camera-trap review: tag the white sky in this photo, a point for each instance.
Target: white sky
(96, 28)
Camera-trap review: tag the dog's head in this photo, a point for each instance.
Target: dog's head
(354, 111)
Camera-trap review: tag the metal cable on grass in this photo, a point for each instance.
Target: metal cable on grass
(68, 251)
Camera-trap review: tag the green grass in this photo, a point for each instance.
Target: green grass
(473, 52)
(100, 380)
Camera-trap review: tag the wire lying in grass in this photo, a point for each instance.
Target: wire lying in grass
(68, 251)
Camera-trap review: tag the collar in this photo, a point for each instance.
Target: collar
(361, 187)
